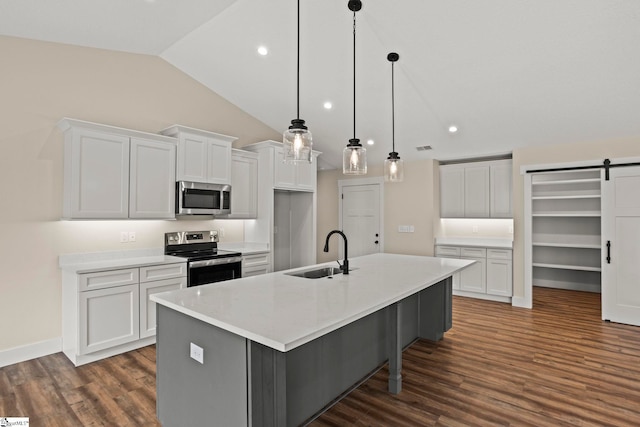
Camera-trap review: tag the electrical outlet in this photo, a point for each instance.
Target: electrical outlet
(475, 228)
(124, 237)
(197, 353)
(132, 236)
(511, 229)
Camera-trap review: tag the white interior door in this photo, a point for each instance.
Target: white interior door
(621, 229)
(361, 218)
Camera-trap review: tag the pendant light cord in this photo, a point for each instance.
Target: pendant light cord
(298, 69)
(354, 74)
(393, 112)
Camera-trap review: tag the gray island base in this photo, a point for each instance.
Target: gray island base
(243, 382)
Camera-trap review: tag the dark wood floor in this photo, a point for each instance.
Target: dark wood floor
(556, 365)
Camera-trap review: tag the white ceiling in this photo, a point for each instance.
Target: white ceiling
(508, 73)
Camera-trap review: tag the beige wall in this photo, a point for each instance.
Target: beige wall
(596, 151)
(410, 202)
(40, 84)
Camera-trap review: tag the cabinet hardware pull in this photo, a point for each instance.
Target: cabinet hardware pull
(608, 251)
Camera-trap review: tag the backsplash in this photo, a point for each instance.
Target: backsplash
(475, 227)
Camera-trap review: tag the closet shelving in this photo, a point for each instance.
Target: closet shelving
(565, 218)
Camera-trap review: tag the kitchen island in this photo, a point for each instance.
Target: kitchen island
(275, 349)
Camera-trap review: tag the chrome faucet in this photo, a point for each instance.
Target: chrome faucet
(345, 264)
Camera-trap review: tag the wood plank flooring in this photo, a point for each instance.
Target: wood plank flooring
(556, 365)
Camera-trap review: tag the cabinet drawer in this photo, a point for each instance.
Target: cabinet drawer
(108, 279)
(498, 253)
(473, 252)
(255, 271)
(447, 251)
(255, 260)
(164, 271)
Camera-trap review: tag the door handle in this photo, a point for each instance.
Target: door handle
(608, 251)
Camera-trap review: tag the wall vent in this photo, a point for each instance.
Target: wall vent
(423, 148)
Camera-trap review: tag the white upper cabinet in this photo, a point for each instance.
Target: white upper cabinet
(244, 184)
(202, 156)
(451, 192)
(476, 190)
(501, 191)
(300, 176)
(152, 179)
(115, 173)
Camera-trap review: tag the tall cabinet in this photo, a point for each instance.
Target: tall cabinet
(287, 207)
(562, 229)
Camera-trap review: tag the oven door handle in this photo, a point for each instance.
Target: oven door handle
(215, 261)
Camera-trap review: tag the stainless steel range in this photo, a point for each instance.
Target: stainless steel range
(205, 262)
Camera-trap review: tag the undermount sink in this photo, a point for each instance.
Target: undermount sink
(316, 273)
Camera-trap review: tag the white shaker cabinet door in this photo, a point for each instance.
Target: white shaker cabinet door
(148, 307)
(152, 179)
(244, 185)
(192, 158)
(285, 173)
(96, 175)
(473, 278)
(501, 189)
(219, 162)
(476, 192)
(451, 192)
(499, 277)
(306, 178)
(108, 317)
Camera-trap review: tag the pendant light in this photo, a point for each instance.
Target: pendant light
(354, 156)
(393, 166)
(297, 139)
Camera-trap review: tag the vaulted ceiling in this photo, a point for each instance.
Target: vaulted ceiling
(507, 73)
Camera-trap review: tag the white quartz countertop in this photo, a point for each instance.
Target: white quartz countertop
(484, 242)
(284, 312)
(114, 260)
(246, 248)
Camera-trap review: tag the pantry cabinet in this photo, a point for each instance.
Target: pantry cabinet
(476, 190)
(203, 156)
(116, 173)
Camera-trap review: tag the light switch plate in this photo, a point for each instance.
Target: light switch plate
(197, 353)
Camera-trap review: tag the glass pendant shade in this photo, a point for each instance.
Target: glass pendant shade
(393, 168)
(297, 143)
(354, 158)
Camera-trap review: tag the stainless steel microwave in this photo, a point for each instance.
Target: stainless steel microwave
(197, 198)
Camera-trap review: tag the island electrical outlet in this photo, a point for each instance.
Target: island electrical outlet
(197, 353)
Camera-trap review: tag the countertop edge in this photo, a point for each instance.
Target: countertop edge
(288, 346)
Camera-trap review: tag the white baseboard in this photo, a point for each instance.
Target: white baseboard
(30, 351)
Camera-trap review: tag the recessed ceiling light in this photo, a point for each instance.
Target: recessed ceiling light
(453, 129)
(328, 105)
(370, 142)
(262, 50)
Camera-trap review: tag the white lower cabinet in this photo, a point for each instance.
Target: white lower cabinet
(148, 307)
(109, 317)
(499, 272)
(490, 277)
(256, 264)
(108, 312)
